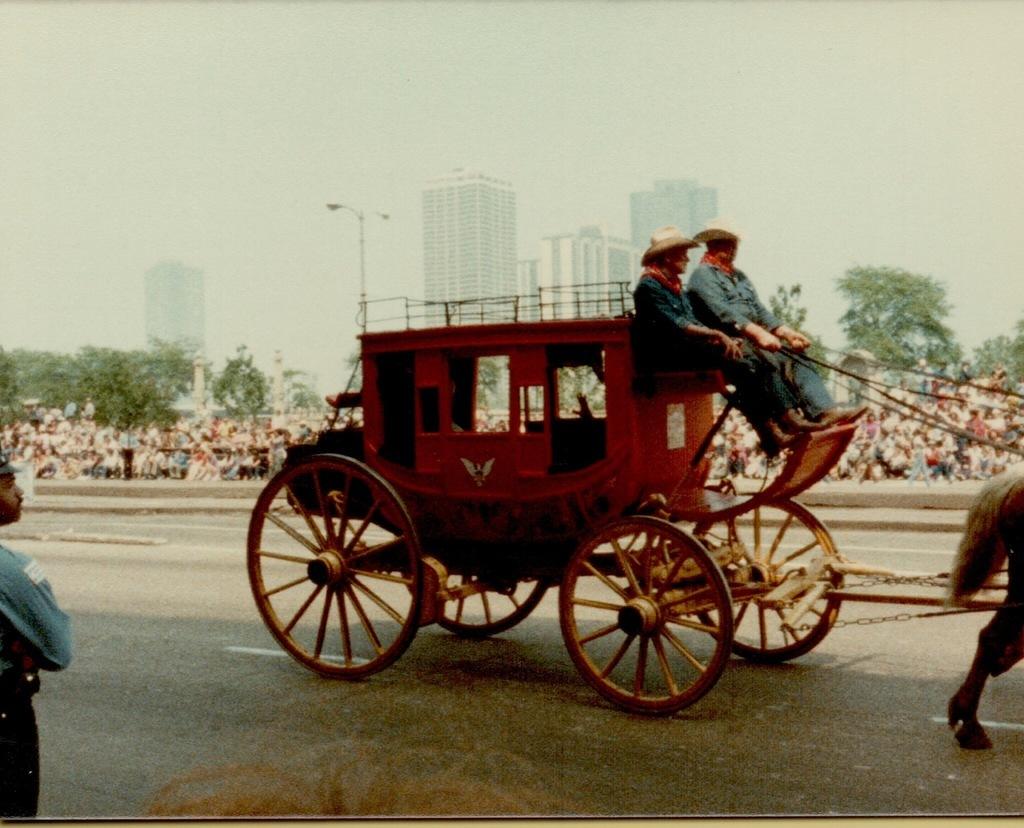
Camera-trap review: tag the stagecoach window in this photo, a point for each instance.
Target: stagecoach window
(578, 432)
(480, 393)
(531, 409)
(580, 393)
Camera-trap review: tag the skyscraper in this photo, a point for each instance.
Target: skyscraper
(175, 304)
(680, 202)
(589, 259)
(469, 237)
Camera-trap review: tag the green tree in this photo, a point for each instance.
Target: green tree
(299, 390)
(49, 377)
(991, 352)
(898, 316)
(129, 388)
(241, 387)
(783, 303)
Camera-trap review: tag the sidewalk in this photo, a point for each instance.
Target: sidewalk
(892, 505)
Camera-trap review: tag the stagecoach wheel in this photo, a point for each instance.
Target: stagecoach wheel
(334, 565)
(485, 608)
(646, 615)
(771, 543)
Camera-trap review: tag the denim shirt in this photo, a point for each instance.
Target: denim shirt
(658, 304)
(728, 303)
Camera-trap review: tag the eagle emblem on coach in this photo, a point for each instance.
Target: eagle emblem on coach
(478, 471)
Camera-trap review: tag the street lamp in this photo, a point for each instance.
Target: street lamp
(359, 214)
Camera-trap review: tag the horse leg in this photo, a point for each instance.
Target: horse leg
(963, 706)
(1000, 646)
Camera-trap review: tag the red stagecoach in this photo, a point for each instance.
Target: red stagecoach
(521, 449)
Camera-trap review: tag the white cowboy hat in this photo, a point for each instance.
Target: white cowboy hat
(715, 229)
(664, 239)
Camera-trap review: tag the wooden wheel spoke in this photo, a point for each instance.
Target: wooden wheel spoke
(342, 499)
(683, 650)
(617, 656)
(380, 602)
(590, 602)
(367, 520)
(284, 586)
(681, 621)
(346, 635)
(373, 550)
(306, 516)
(601, 633)
(321, 632)
(293, 532)
(778, 538)
(641, 667)
(383, 576)
(666, 670)
(671, 575)
(487, 607)
(801, 551)
(624, 564)
(741, 612)
(614, 587)
(278, 556)
(691, 597)
(305, 606)
(325, 509)
(364, 620)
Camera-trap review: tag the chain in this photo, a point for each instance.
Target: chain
(939, 580)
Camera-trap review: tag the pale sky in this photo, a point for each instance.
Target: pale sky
(837, 134)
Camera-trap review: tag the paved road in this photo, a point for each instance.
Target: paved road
(176, 682)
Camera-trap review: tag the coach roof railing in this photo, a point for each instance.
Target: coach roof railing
(606, 300)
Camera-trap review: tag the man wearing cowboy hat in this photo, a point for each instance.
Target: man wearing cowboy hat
(34, 634)
(668, 336)
(725, 298)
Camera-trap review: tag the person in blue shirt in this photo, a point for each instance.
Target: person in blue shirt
(725, 299)
(34, 634)
(667, 336)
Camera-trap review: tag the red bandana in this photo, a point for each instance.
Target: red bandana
(673, 283)
(713, 260)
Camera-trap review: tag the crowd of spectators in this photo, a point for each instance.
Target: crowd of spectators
(894, 442)
(891, 443)
(65, 445)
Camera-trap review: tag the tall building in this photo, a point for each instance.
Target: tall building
(680, 202)
(590, 259)
(175, 305)
(469, 237)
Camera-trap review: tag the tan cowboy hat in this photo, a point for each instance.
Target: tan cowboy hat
(715, 229)
(664, 239)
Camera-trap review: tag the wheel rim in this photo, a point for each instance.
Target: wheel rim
(334, 566)
(646, 615)
(773, 542)
(490, 608)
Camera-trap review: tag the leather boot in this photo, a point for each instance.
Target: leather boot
(840, 416)
(779, 436)
(795, 423)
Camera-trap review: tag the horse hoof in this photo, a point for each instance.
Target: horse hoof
(973, 738)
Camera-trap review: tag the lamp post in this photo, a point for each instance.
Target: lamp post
(359, 214)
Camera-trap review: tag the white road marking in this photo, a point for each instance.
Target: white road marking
(276, 653)
(256, 651)
(993, 725)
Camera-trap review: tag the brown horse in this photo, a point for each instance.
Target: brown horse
(994, 534)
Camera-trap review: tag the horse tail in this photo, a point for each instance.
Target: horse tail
(982, 548)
